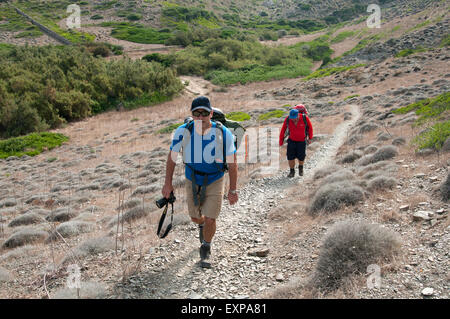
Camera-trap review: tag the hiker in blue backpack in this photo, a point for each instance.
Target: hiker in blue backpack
(208, 152)
(298, 129)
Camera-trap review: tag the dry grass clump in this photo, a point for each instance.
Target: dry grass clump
(26, 219)
(19, 252)
(95, 246)
(130, 203)
(331, 197)
(386, 166)
(131, 215)
(321, 173)
(351, 157)
(5, 275)
(339, 176)
(384, 153)
(25, 236)
(61, 215)
(88, 290)
(381, 183)
(399, 141)
(370, 149)
(349, 247)
(445, 189)
(71, 229)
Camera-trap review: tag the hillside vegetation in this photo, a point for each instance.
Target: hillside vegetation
(44, 87)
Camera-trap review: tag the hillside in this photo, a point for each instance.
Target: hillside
(376, 183)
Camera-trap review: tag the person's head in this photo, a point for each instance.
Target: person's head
(201, 109)
(293, 114)
(301, 108)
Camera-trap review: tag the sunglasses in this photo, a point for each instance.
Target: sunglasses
(198, 113)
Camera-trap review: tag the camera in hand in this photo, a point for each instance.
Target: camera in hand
(164, 201)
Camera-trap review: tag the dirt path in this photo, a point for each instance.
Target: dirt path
(173, 271)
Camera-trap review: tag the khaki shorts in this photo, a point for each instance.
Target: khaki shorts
(213, 200)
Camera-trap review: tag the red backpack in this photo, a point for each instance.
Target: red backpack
(286, 133)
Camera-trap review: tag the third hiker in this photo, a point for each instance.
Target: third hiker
(297, 127)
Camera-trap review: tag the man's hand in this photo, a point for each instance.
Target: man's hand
(308, 141)
(167, 189)
(232, 197)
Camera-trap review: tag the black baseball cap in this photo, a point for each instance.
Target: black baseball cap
(201, 102)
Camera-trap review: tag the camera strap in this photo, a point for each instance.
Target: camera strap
(161, 222)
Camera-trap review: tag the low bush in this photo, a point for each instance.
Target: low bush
(31, 145)
(351, 157)
(133, 214)
(26, 219)
(349, 248)
(272, 114)
(331, 197)
(24, 237)
(407, 52)
(71, 229)
(238, 116)
(169, 129)
(44, 87)
(432, 112)
(329, 71)
(381, 183)
(382, 154)
(321, 173)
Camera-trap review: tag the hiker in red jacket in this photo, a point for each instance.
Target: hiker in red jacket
(298, 128)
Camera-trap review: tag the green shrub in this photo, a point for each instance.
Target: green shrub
(134, 17)
(238, 116)
(31, 145)
(445, 41)
(433, 137)
(43, 87)
(318, 51)
(407, 52)
(164, 59)
(272, 114)
(351, 96)
(136, 33)
(342, 36)
(170, 128)
(29, 34)
(428, 109)
(329, 71)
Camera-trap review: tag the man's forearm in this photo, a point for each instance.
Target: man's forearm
(232, 172)
(170, 168)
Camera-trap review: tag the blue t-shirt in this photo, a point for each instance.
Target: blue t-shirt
(200, 151)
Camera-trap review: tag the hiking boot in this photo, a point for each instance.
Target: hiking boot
(205, 251)
(200, 233)
(300, 170)
(291, 173)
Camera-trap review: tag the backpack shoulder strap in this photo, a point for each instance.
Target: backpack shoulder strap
(221, 127)
(306, 125)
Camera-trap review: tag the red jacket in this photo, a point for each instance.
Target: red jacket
(296, 132)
